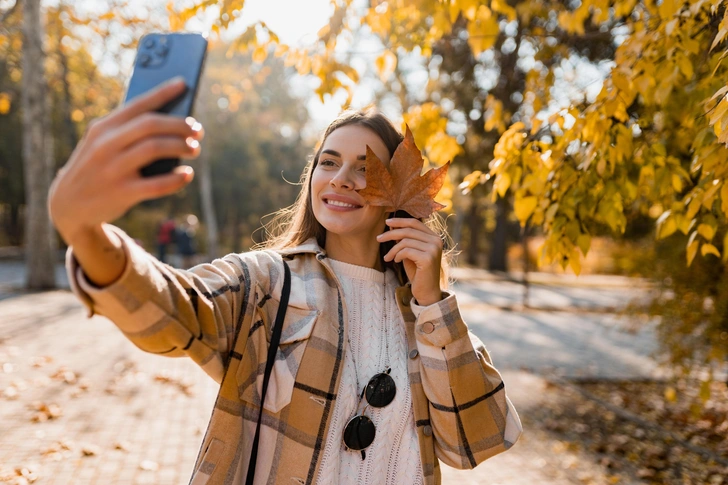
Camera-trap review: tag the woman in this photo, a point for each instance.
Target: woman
(357, 313)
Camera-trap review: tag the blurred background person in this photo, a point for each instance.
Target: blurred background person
(185, 241)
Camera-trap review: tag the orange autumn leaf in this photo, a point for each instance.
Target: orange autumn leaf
(402, 187)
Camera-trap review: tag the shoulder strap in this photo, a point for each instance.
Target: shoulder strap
(272, 351)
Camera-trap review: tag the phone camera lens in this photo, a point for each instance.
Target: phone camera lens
(149, 43)
(144, 60)
(162, 51)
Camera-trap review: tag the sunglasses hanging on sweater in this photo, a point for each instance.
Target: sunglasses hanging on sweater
(360, 430)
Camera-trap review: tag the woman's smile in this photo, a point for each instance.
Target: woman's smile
(339, 203)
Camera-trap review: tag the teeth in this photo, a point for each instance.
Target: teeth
(340, 204)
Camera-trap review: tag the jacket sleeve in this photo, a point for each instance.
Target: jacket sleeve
(173, 312)
(471, 416)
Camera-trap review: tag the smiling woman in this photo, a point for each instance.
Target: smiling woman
(351, 224)
(376, 377)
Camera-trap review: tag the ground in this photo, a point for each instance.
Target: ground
(80, 404)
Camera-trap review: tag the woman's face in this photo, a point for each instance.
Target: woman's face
(338, 177)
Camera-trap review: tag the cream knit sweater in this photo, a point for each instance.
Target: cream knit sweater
(394, 456)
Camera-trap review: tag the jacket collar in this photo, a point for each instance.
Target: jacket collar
(310, 246)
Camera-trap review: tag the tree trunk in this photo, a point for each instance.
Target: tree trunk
(497, 259)
(208, 207)
(40, 240)
(475, 225)
(69, 125)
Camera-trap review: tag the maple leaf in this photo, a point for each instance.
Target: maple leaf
(402, 187)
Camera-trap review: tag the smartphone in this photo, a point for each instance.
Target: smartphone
(160, 57)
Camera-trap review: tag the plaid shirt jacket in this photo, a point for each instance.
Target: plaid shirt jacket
(461, 410)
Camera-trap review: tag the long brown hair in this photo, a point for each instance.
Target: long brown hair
(294, 225)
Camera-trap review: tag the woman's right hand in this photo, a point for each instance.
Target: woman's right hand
(101, 180)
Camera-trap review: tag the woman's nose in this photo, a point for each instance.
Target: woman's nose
(342, 180)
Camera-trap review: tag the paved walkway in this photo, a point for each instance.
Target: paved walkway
(80, 404)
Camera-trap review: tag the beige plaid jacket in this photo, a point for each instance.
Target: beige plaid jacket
(460, 406)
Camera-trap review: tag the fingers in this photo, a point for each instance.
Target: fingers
(149, 101)
(146, 188)
(419, 249)
(402, 222)
(420, 235)
(146, 151)
(150, 125)
(410, 228)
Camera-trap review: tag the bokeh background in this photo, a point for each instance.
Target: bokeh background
(587, 137)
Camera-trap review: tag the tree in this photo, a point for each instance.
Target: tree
(37, 153)
(652, 141)
(78, 91)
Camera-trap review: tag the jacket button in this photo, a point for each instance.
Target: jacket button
(427, 430)
(414, 353)
(428, 327)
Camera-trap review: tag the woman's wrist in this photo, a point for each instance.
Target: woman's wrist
(429, 299)
(100, 253)
(79, 235)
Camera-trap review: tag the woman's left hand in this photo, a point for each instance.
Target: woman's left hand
(420, 249)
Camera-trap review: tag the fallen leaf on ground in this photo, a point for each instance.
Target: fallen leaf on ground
(65, 375)
(90, 450)
(44, 412)
(122, 445)
(401, 186)
(166, 377)
(19, 475)
(41, 361)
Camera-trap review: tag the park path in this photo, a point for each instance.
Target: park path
(80, 404)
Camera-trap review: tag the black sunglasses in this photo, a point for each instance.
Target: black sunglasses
(360, 430)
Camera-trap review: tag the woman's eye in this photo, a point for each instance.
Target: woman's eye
(363, 168)
(327, 163)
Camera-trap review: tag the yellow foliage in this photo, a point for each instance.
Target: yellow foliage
(260, 53)
(707, 248)
(707, 231)
(575, 262)
(524, 207)
(692, 250)
(502, 7)
(598, 158)
(428, 127)
(386, 64)
(483, 30)
(668, 8)
(501, 184)
(4, 103)
(494, 114)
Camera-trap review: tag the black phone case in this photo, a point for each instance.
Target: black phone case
(160, 57)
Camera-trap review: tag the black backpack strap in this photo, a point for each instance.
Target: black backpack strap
(275, 338)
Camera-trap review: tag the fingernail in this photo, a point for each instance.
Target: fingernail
(185, 171)
(380, 236)
(193, 124)
(176, 80)
(192, 143)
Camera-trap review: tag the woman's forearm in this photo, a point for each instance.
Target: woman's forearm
(100, 254)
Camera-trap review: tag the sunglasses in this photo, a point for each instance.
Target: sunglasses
(360, 430)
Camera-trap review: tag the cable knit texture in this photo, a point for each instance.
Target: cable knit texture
(394, 456)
